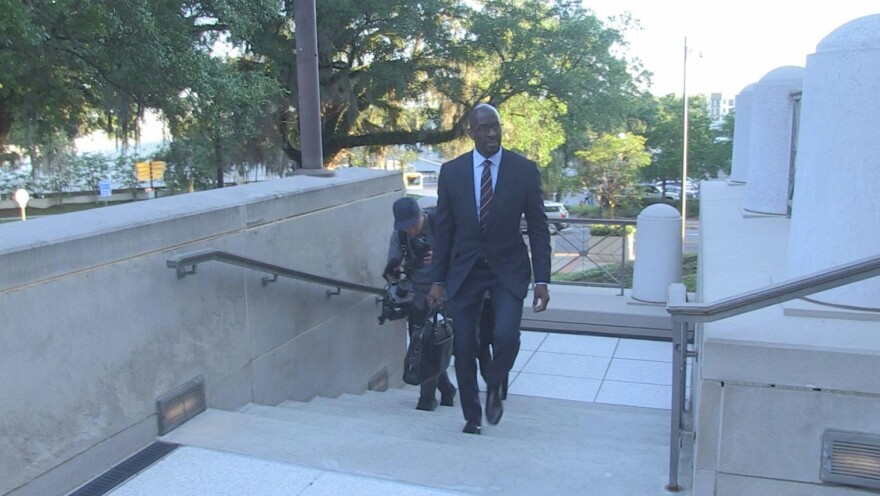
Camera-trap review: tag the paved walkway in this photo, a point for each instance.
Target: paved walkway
(616, 371)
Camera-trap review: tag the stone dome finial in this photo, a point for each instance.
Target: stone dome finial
(783, 74)
(858, 34)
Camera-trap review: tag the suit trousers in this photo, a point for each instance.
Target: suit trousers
(418, 314)
(465, 310)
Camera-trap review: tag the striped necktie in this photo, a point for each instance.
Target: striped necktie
(485, 194)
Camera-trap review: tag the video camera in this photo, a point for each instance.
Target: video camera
(398, 295)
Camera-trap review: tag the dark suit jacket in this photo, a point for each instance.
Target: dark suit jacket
(458, 240)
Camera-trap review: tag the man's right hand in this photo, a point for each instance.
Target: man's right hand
(392, 271)
(435, 295)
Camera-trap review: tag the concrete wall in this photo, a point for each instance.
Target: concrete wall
(770, 382)
(95, 327)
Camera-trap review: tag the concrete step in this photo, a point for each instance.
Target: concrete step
(368, 399)
(541, 446)
(577, 436)
(374, 410)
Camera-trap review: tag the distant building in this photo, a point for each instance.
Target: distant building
(719, 106)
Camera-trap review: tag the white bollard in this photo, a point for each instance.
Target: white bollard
(658, 244)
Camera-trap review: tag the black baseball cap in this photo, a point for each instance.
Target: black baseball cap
(406, 213)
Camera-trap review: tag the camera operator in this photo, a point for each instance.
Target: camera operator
(410, 251)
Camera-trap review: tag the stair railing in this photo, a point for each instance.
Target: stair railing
(688, 314)
(576, 246)
(186, 263)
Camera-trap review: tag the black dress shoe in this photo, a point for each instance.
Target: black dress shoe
(494, 407)
(426, 404)
(504, 387)
(471, 427)
(448, 398)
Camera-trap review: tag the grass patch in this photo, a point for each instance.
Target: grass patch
(597, 275)
(603, 230)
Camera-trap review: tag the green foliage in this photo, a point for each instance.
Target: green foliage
(392, 72)
(709, 149)
(531, 127)
(611, 230)
(398, 72)
(611, 165)
(598, 275)
(721, 153)
(614, 275)
(689, 272)
(74, 66)
(71, 172)
(590, 211)
(220, 122)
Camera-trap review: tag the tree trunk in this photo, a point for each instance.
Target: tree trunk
(219, 164)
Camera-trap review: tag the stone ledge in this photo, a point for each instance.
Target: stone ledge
(603, 311)
(767, 347)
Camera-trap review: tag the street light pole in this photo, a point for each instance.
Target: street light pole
(684, 148)
(308, 88)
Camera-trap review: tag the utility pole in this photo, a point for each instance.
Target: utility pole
(309, 88)
(684, 148)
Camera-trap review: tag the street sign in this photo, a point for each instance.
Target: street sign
(146, 171)
(142, 170)
(105, 188)
(157, 169)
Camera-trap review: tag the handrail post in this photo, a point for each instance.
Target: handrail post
(621, 273)
(679, 352)
(677, 295)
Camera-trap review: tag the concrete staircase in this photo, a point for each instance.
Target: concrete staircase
(542, 446)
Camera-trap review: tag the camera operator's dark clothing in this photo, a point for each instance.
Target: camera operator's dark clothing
(417, 272)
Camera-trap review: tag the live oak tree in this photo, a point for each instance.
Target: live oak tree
(392, 72)
(72, 66)
(404, 72)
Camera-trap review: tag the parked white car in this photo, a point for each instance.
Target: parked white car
(556, 215)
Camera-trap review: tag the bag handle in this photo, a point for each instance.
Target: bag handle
(435, 313)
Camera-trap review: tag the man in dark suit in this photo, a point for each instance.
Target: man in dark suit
(481, 197)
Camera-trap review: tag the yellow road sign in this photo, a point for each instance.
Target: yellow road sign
(149, 170)
(142, 171)
(157, 169)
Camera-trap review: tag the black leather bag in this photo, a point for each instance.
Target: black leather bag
(430, 350)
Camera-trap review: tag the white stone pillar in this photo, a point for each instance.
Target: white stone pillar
(739, 168)
(770, 141)
(658, 244)
(836, 206)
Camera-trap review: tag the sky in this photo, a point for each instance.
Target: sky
(730, 44)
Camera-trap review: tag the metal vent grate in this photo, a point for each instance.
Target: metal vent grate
(177, 406)
(130, 467)
(851, 458)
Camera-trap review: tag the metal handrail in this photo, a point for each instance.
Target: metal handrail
(840, 275)
(686, 313)
(186, 263)
(617, 278)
